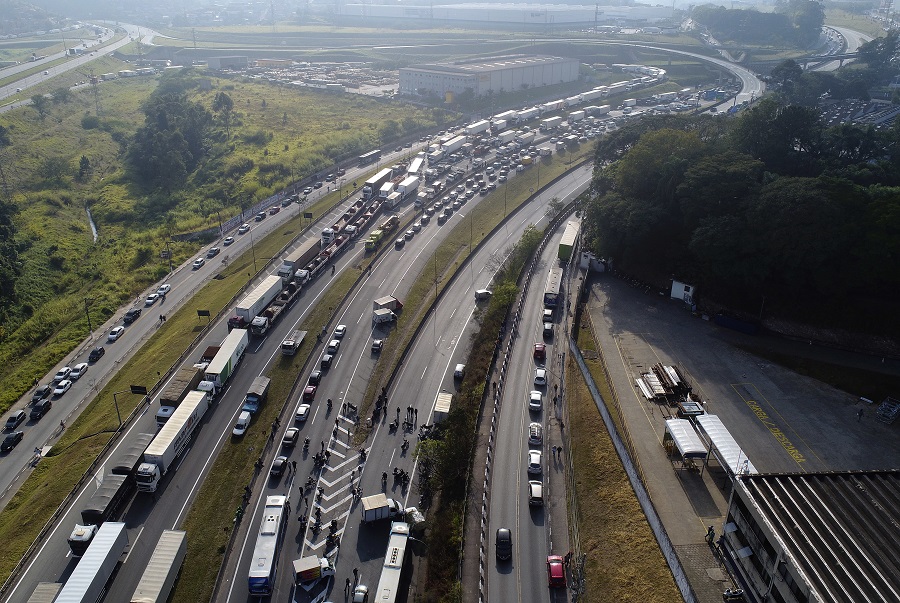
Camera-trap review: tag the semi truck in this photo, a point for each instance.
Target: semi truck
(507, 115)
(498, 125)
(163, 569)
(101, 507)
(373, 184)
(297, 259)
(454, 144)
(506, 137)
(256, 395)
(387, 302)
(478, 127)
(171, 440)
(290, 345)
(185, 380)
(527, 114)
(374, 239)
(87, 582)
(408, 187)
(575, 116)
(379, 506)
(525, 138)
(133, 456)
(567, 243)
(309, 570)
(254, 302)
(262, 323)
(551, 122)
(346, 219)
(227, 359)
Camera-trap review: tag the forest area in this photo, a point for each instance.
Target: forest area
(771, 206)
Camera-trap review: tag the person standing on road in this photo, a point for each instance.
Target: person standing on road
(859, 415)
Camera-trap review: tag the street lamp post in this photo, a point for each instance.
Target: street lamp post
(139, 390)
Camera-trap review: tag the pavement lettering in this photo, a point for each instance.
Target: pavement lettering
(776, 431)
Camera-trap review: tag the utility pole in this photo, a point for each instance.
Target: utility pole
(87, 311)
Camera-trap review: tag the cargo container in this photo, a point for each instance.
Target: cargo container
(442, 405)
(478, 127)
(255, 301)
(230, 353)
(454, 145)
(163, 569)
(87, 582)
(551, 122)
(575, 116)
(297, 259)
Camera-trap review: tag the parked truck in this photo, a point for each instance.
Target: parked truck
(387, 302)
(528, 114)
(499, 125)
(576, 116)
(373, 184)
(256, 395)
(629, 102)
(255, 301)
(262, 323)
(308, 570)
(478, 127)
(567, 243)
(87, 582)
(290, 345)
(227, 359)
(525, 138)
(551, 122)
(185, 380)
(171, 440)
(506, 115)
(103, 505)
(163, 569)
(374, 239)
(408, 187)
(131, 459)
(442, 406)
(506, 137)
(297, 259)
(383, 315)
(379, 506)
(454, 144)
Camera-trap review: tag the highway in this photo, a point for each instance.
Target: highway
(442, 343)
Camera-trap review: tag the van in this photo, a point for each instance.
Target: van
(242, 424)
(535, 493)
(548, 329)
(482, 294)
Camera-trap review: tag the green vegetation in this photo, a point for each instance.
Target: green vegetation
(623, 560)
(797, 22)
(771, 204)
(847, 16)
(68, 159)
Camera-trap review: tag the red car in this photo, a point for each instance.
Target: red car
(309, 394)
(540, 351)
(556, 571)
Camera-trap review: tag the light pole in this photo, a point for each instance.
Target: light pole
(139, 390)
(87, 311)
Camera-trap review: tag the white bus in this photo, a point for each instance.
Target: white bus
(389, 583)
(264, 563)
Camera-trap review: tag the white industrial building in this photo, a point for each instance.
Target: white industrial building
(513, 15)
(500, 74)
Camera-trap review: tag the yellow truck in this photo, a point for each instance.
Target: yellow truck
(374, 240)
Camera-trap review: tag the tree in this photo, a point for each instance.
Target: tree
(61, 95)
(54, 168)
(880, 53)
(41, 105)
(554, 207)
(787, 73)
(223, 105)
(84, 168)
(389, 130)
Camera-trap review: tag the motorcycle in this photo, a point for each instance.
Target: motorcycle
(732, 595)
(405, 445)
(319, 492)
(362, 456)
(384, 479)
(394, 425)
(306, 445)
(332, 527)
(328, 403)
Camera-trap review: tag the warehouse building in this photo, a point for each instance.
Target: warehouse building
(816, 537)
(500, 74)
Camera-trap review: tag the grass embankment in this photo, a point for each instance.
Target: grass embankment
(56, 475)
(277, 135)
(623, 560)
(860, 23)
(211, 517)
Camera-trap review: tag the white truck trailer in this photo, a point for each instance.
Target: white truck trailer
(509, 116)
(478, 127)
(171, 441)
(255, 302)
(379, 506)
(506, 137)
(454, 144)
(162, 571)
(87, 582)
(442, 405)
(576, 116)
(226, 360)
(525, 138)
(528, 114)
(551, 122)
(408, 187)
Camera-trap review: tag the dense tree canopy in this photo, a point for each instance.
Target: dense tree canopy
(797, 22)
(772, 204)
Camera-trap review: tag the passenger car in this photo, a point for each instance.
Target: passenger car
(340, 331)
(198, 263)
(278, 466)
(41, 393)
(62, 374)
(260, 216)
(535, 400)
(540, 376)
(377, 345)
(61, 388)
(535, 493)
(166, 287)
(302, 413)
(556, 571)
(535, 434)
(42, 407)
(460, 371)
(409, 234)
(540, 351)
(291, 436)
(327, 359)
(115, 334)
(10, 441)
(333, 346)
(151, 299)
(96, 354)
(132, 315)
(535, 466)
(309, 393)
(307, 190)
(227, 241)
(245, 228)
(213, 252)
(78, 370)
(15, 419)
(548, 329)
(503, 544)
(314, 378)
(399, 243)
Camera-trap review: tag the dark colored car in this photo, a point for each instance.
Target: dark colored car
(15, 419)
(540, 351)
(10, 441)
(279, 466)
(556, 571)
(503, 543)
(315, 378)
(40, 409)
(131, 316)
(96, 354)
(326, 361)
(41, 393)
(309, 394)
(290, 437)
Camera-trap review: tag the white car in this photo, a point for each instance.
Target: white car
(151, 299)
(245, 228)
(163, 289)
(302, 413)
(535, 400)
(227, 241)
(534, 462)
(198, 263)
(115, 334)
(540, 377)
(78, 370)
(63, 373)
(535, 434)
(340, 331)
(333, 346)
(62, 387)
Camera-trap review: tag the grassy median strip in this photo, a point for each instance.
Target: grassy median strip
(623, 560)
(55, 476)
